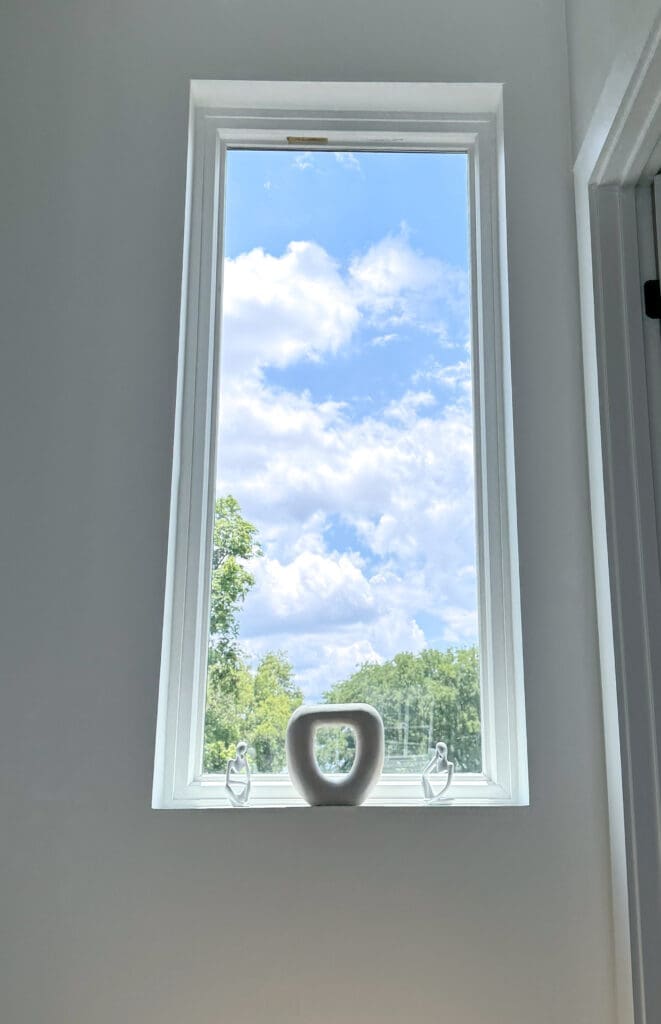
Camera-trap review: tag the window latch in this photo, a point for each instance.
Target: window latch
(652, 296)
(303, 140)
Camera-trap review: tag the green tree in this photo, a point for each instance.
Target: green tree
(422, 698)
(230, 697)
(234, 543)
(251, 706)
(242, 704)
(335, 748)
(275, 698)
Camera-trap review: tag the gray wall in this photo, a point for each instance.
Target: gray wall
(601, 32)
(111, 911)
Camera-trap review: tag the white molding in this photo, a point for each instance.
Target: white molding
(469, 790)
(365, 116)
(431, 98)
(614, 158)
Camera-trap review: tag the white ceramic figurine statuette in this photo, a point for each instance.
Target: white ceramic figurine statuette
(438, 764)
(238, 766)
(316, 788)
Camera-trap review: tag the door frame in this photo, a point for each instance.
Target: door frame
(621, 151)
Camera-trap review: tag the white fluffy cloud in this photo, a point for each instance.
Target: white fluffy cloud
(303, 161)
(398, 286)
(397, 485)
(326, 655)
(314, 586)
(279, 310)
(348, 160)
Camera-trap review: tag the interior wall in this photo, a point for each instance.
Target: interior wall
(112, 911)
(600, 33)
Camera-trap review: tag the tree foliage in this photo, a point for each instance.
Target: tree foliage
(422, 698)
(242, 704)
(234, 543)
(252, 706)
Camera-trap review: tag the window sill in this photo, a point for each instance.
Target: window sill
(276, 791)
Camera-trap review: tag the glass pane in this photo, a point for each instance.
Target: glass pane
(344, 564)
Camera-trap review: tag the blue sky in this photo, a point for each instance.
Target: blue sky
(345, 410)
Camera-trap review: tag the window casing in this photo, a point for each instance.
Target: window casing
(351, 116)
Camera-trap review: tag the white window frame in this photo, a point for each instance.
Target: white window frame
(423, 117)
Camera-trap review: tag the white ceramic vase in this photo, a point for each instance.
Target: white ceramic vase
(315, 787)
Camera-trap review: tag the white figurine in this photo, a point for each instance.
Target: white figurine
(238, 765)
(439, 763)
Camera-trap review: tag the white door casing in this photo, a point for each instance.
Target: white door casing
(617, 156)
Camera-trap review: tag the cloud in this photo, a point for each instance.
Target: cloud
(397, 484)
(398, 287)
(391, 273)
(303, 161)
(461, 625)
(301, 305)
(297, 456)
(310, 588)
(403, 484)
(456, 377)
(349, 161)
(279, 310)
(323, 658)
(405, 409)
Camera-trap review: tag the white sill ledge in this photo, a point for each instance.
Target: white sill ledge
(276, 791)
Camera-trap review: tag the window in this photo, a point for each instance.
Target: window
(342, 520)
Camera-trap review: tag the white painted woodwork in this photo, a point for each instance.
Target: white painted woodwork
(657, 217)
(617, 157)
(426, 117)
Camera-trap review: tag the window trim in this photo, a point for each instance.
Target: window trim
(352, 116)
